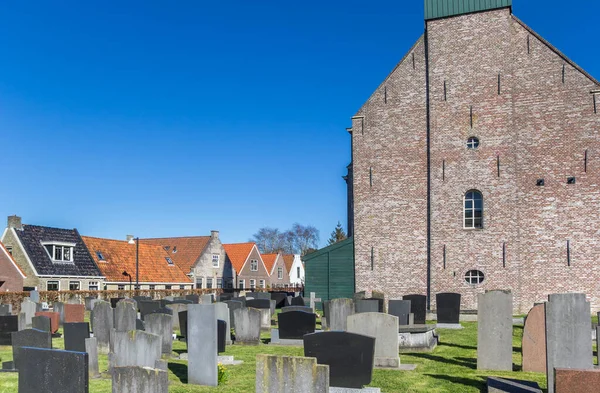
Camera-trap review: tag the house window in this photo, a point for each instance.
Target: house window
(254, 265)
(472, 143)
(229, 283)
(242, 284)
(168, 286)
(219, 283)
(121, 287)
(262, 283)
(182, 287)
(215, 260)
(100, 256)
(151, 287)
(174, 249)
(93, 285)
(473, 212)
(252, 284)
(60, 252)
(52, 286)
(73, 285)
(474, 277)
(199, 282)
(169, 261)
(9, 249)
(298, 272)
(280, 273)
(209, 283)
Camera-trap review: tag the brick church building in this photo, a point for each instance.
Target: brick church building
(476, 165)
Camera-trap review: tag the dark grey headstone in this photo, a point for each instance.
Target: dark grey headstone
(8, 325)
(5, 309)
(53, 371)
(29, 338)
(400, 309)
(59, 307)
(41, 323)
(164, 302)
(294, 325)
(8, 366)
(350, 357)
(504, 385)
(75, 334)
(141, 298)
(297, 308)
(448, 307)
(233, 305)
(380, 303)
(418, 306)
(182, 301)
(115, 300)
(139, 325)
(225, 297)
(365, 305)
(183, 318)
(240, 299)
(298, 301)
(253, 295)
(162, 310)
(147, 306)
(279, 298)
(221, 335)
(194, 298)
(259, 303)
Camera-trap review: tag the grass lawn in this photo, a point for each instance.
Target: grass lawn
(451, 367)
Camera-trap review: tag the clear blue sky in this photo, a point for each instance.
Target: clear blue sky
(172, 118)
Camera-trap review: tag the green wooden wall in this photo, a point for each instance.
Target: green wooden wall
(443, 8)
(329, 272)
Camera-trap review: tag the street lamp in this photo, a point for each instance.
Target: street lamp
(136, 241)
(128, 275)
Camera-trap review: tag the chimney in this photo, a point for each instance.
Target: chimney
(15, 222)
(214, 234)
(129, 238)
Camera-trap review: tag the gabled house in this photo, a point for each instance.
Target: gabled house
(278, 274)
(295, 268)
(117, 261)
(200, 257)
(52, 259)
(248, 265)
(11, 276)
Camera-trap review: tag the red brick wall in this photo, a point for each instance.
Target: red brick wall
(9, 274)
(538, 126)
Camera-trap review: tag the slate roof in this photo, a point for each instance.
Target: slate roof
(288, 260)
(32, 236)
(238, 253)
(119, 256)
(184, 251)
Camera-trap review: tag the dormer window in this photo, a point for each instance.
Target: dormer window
(60, 252)
(100, 256)
(174, 249)
(169, 260)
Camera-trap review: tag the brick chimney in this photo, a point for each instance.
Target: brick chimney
(15, 222)
(214, 234)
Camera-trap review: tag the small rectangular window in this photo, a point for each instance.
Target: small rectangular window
(262, 283)
(209, 282)
(280, 273)
(169, 261)
(252, 284)
(151, 287)
(215, 260)
(93, 286)
(9, 249)
(242, 284)
(52, 286)
(254, 265)
(100, 256)
(182, 287)
(298, 272)
(73, 285)
(121, 287)
(219, 283)
(168, 286)
(199, 283)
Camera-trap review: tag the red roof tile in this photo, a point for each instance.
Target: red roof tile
(288, 260)
(269, 260)
(184, 251)
(238, 253)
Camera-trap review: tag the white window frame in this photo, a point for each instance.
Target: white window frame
(78, 285)
(209, 280)
(252, 283)
(9, 249)
(93, 284)
(254, 265)
(53, 281)
(62, 246)
(199, 280)
(280, 273)
(151, 287)
(120, 287)
(479, 277)
(169, 261)
(219, 282)
(261, 283)
(241, 284)
(473, 143)
(216, 257)
(472, 210)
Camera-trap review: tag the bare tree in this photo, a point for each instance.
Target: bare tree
(297, 240)
(268, 240)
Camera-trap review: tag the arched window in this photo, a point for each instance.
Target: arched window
(473, 212)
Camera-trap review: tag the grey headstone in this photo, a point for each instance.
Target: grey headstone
(494, 330)
(41, 323)
(568, 338)
(233, 305)
(400, 309)
(384, 327)
(339, 311)
(125, 316)
(139, 380)
(139, 325)
(247, 326)
(34, 296)
(135, 348)
(202, 345)
(194, 298)
(240, 299)
(8, 325)
(206, 299)
(366, 305)
(296, 374)
(91, 348)
(175, 309)
(60, 309)
(161, 325)
(222, 311)
(147, 306)
(29, 338)
(28, 308)
(5, 309)
(89, 303)
(75, 335)
(23, 321)
(102, 322)
(53, 371)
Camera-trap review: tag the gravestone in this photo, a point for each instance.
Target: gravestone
(222, 311)
(264, 306)
(350, 357)
(224, 297)
(138, 298)
(222, 333)
(147, 307)
(102, 322)
(261, 295)
(22, 321)
(503, 385)
(313, 301)
(298, 301)
(29, 338)
(124, 317)
(89, 302)
(161, 325)
(259, 303)
(286, 374)
(233, 305)
(279, 298)
(41, 323)
(139, 380)
(448, 308)
(533, 347)
(380, 303)
(202, 345)
(135, 348)
(165, 302)
(366, 305)
(400, 309)
(53, 371)
(5, 309)
(139, 325)
(75, 334)
(59, 307)
(418, 307)
(576, 380)
(297, 308)
(115, 300)
(54, 319)
(34, 296)
(175, 309)
(339, 311)
(293, 325)
(8, 325)
(568, 338)
(193, 298)
(91, 348)
(162, 310)
(206, 299)
(183, 323)
(384, 328)
(241, 299)
(74, 312)
(247, 326)
(494, 330)
(28, 308)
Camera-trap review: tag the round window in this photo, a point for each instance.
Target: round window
(474, 277)
(472, 143)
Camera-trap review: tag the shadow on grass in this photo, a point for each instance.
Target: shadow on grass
(463, 362)
(180, 351)
(456, 345)
(265, 340)
(517, 349)
(180, 371)
(474, 382)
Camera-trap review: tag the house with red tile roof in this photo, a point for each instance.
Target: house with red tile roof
(249, 267)
(116, 259)
(202, 258)
(278, 273)
(11, 275)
